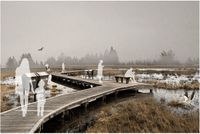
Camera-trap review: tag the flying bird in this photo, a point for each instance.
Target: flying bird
(41, 49)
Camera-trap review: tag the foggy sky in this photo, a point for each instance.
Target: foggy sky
(137, 30)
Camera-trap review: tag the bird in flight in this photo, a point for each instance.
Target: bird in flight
(41, 49)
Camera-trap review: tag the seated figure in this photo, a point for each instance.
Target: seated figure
(131, 74)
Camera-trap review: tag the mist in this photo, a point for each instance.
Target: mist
(137, 30)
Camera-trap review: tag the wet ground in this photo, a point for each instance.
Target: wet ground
(12, 100)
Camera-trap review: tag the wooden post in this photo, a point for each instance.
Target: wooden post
(109, 76)
(34, 98)
(122, 79)
(67, 115)
(116, 94)
(40, 129)
(117, 79)
(92, 73)
(88, 74)
(85, 106)
(63, 115)
(103, 99)
(127, 80)
(70, 115)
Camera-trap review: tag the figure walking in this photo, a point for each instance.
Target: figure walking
(100, 71)
(23, 84)
(40, 91)
(49, 79)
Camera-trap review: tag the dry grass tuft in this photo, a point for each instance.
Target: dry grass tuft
(177, 104)
(192, 86)
(7, 74)
(143, 116)
(5, 90)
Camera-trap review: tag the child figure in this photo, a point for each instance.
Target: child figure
(40, 98)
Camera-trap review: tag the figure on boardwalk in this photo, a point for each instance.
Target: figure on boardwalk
(41, 99)
(63, 67)
(49, 79)
(23, 84)
(100, 71)
(130, 73)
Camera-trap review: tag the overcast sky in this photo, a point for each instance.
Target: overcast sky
(137, 30)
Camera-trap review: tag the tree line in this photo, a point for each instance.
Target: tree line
(110, 57)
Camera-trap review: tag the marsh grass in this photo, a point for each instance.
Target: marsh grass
(189, 86)
(178, 104)
(143, 116)
(5, 90)
(7, 74)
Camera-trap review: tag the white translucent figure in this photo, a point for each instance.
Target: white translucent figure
(23, 84)
(100, 71)
(63, 67)
(40, 91)
(130, 73)
(47, 67)
(49, 79)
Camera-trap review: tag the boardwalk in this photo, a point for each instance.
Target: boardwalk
(12, 120)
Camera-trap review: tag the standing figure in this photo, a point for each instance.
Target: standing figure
(131, 74)
(23, 84)
(47, 68)
(40, 98)
(100, 71)
(63, 67)
(49, 79)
